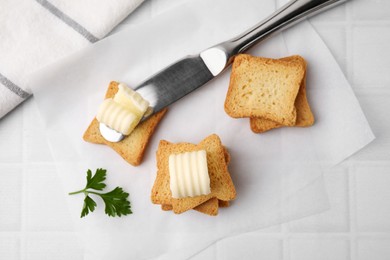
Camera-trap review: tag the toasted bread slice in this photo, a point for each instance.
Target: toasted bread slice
(223, 203)
(266, 88)
(305, 116)
(211, 206)
(133, 146)
(166, 207)
(221, 184)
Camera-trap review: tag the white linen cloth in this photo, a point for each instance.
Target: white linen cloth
(38, 32)
(276, 174)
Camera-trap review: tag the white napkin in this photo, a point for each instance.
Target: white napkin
(274, 173)
(36, 33)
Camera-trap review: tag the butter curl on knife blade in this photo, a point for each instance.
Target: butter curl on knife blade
(186, 75)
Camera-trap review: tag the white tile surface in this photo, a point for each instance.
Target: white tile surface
(319, 249)
(370, 44)
(337, 218)
(45, 201)
(11, 137)
(357, 227)
(35, 145)
(59, 246)
(10, 197)
(371, 10)
(373, 197)
(375, 104)
(369, 249)
(9, 246)
(249, 246)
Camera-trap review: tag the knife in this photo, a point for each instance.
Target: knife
(191, 72)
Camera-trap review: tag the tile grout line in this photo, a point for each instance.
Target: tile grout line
(285, 241)
(352, 211)
(351, 177)
(349, 42)
(284, 227)
(23, 217)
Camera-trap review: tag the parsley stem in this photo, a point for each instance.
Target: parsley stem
(76, 192)
(96, 193)
(84, 191)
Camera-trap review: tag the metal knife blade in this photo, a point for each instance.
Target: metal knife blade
(174, 82)
(166, 87)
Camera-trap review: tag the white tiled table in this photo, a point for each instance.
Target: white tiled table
(35, 223)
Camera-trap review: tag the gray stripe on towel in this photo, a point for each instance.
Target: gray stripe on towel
(69, 21)
(14, 88)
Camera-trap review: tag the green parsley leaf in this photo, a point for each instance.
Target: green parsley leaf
(97, 181)
(116, 202)
(89, 206)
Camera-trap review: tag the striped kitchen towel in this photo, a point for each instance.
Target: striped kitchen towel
(35, 33)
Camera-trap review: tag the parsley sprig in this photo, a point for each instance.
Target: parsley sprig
(116, 200)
